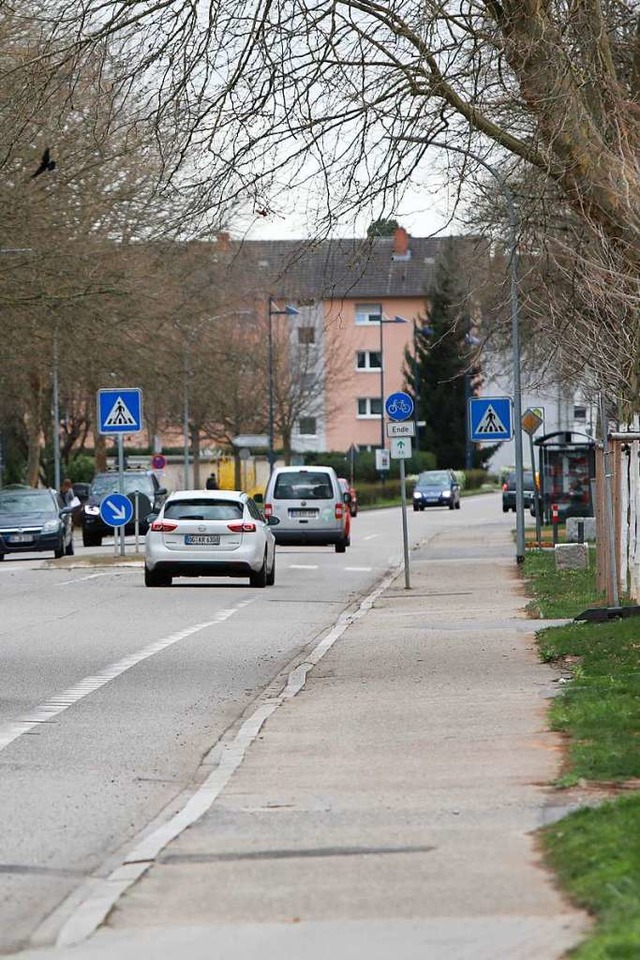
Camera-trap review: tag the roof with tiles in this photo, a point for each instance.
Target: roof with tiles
(398, 266)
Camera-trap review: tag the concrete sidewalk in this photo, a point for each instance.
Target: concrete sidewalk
(385, 809)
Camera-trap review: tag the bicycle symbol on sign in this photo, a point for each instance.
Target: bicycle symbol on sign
(398, 406)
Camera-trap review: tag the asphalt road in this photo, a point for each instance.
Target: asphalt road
(111, 694)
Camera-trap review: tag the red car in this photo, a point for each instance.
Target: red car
(353, 502)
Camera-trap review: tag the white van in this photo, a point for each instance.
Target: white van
(310, 507)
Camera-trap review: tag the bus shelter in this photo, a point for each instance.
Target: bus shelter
(567, 467)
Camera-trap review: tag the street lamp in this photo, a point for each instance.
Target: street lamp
(288, 311)
(382, 322)
(507, 193)
(188, 338)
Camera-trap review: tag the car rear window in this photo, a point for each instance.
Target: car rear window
(303, 485)
(527, 478)
(201, 509)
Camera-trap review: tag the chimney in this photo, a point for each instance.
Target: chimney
(401, 249)
(224, 242)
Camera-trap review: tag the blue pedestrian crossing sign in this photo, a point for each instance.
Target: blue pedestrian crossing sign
(116, 510)
(490, 419)
(120, 411)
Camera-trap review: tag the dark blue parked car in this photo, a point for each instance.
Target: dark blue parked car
(34, 520)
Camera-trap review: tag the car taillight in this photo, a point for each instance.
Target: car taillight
(268, 509)
(242, 527)
(163, 526)
(339, 511)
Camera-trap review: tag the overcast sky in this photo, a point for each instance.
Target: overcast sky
(422, 213)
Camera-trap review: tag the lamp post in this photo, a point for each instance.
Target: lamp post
(507, 193)
(55, 412)
(189, 335)
(288, 311)
(383, 320)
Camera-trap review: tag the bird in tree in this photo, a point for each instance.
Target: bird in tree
(45, 164)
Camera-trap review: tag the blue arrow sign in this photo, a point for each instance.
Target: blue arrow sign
(116, 510)
(120, 411)
(490, 419)
(399, 406)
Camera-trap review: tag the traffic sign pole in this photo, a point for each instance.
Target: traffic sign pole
(399, 407)
(405, 532)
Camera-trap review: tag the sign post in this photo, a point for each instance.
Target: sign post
(399, 407)
(532, 418)
(120, 412)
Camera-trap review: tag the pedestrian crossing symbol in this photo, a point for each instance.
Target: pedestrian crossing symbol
(489, 419)
(120, 411)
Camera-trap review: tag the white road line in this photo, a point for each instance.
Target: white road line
(371, 536)
(359, 569)
(303, 566)
(61, 702)
(90, 576)
(104, 893)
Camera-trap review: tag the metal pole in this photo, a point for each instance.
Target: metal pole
(271, 456)
(416, 382)
(185, 425)
(120, 530)
(55, 413)
(381, 385)
(515, 324)
(612, 587)
(405, 533)
(536, 504)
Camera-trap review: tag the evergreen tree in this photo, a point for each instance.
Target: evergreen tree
(440, 374)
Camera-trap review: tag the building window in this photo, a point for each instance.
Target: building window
(580, 413)
(368, 313)
(369, 406)
(307, 426)
(306, 335)
(368, 360)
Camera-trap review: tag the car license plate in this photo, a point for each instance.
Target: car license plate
(20, 538)
(202, 539)
(303, 513)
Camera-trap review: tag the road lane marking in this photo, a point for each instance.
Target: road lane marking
(303, 566)
(371, 536)
(104, 892)
(62, 701)
(359, 569)
(89, 576)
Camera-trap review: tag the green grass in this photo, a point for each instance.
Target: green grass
(600, 707)
(595, 853)
(596, 856)
(559, 594)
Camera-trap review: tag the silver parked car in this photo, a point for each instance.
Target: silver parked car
(209, 533)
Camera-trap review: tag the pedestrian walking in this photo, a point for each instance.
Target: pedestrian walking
(212, 482)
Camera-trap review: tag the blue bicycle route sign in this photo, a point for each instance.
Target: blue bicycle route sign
(116, 510)
(399, 406)
(120, 411)
(490, 419)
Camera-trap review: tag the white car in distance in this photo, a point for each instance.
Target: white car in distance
(210, 533)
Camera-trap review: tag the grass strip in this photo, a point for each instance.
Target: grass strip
(560, 594)
(595, 852)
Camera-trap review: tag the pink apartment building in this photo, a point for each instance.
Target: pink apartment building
(358, 304)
